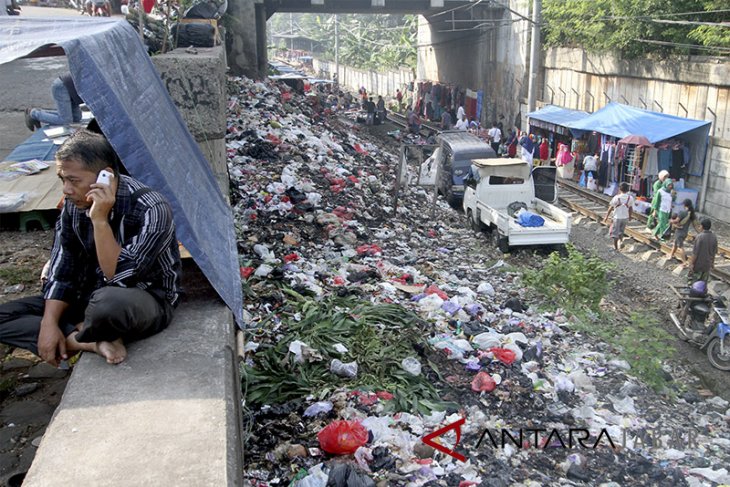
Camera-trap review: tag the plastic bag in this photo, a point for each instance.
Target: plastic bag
(337, 367)
(434, 289)
(503, 355)
(321, 407)
(342, 437)
(411, 365)
(483, 382)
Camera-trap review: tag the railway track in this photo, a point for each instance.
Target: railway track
(400, 120)
(594, 205)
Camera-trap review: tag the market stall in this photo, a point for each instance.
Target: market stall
(679, 145)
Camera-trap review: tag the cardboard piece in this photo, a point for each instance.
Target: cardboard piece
(42, 191)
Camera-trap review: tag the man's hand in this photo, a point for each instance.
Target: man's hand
(103, 198)
(51, 343)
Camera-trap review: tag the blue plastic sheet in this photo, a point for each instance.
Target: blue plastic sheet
(529, 219)
(37, 146)
(116, 78)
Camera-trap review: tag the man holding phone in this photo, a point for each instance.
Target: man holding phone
(114, 271)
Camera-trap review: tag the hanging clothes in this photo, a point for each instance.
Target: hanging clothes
(652, 162)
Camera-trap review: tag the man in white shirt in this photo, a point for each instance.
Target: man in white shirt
(462, 124)
(495, 136)
(622, 206)
(590, 165)
(460, 113)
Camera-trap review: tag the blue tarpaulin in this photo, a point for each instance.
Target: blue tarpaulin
(620, 121)
(557, 115)
(116, 78)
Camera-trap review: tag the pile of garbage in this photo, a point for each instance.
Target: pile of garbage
(368, 330)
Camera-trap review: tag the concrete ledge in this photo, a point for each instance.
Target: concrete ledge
(168, 415)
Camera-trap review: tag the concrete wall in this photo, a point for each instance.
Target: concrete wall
(694, 87)
(197, 85)
(378, 83)
(493, 59)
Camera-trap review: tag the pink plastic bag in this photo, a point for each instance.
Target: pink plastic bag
(483, 382)
(342, 437)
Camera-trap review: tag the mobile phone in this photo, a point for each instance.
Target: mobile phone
(105, 177)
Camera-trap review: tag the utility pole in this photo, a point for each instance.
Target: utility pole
(291, 32)
(337, 50)
(534, 56)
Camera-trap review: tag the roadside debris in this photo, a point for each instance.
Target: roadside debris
(370, 330)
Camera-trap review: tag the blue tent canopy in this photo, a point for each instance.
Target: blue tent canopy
(557, 115)
(620, 120)
(116, 78)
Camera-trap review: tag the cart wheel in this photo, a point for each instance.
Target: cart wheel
(720, 359)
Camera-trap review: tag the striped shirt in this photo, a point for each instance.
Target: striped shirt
(142, 225)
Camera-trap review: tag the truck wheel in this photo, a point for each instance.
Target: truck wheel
(471, 221)
(503, 244)
(720, 359)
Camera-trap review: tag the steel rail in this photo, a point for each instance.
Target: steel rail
(634, 232)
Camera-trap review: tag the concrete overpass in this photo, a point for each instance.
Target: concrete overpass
(247, 51)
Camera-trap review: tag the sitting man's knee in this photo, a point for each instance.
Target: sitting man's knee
(103, 305)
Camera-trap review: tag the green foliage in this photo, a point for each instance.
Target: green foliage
(641, 341)
(646, 346)
(365, 41)
(622, 25)
(574, 281)
(378, 338)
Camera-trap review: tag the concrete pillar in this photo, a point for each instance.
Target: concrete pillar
(242, 55)
(197, 86)
(262, 56)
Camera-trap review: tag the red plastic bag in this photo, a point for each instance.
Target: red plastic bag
(434, 289)
(503, 355)
(483, 382)
(369, 249)
(342, 437)
(246, 272)
(291, 258)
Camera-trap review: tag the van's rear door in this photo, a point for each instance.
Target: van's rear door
(546, 184)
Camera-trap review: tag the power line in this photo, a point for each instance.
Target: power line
(689, 46)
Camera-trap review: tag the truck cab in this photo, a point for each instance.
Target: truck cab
(456, 151)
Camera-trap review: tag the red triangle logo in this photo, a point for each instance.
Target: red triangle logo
(428, 439)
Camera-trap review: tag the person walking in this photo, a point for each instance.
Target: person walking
(445, 120)
(380, 109)
(67, 110)
(685, 218)
(651, 221)
(702, 260)
(495, 136)
(663, 209)
(622, 207)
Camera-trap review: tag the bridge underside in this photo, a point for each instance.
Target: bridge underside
(423, 7)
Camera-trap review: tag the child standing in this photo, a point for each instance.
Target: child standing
(621, 205)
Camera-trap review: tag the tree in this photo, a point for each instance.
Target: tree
(366, 41)
(634, 27)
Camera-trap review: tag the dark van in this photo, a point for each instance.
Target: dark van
(457, 151)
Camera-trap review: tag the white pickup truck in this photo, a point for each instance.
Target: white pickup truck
(497, 185)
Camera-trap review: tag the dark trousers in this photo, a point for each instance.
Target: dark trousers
(111, 313)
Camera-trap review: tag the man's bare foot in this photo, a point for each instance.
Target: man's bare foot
(114, 352)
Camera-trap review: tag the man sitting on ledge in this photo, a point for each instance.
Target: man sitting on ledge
(115, 265)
